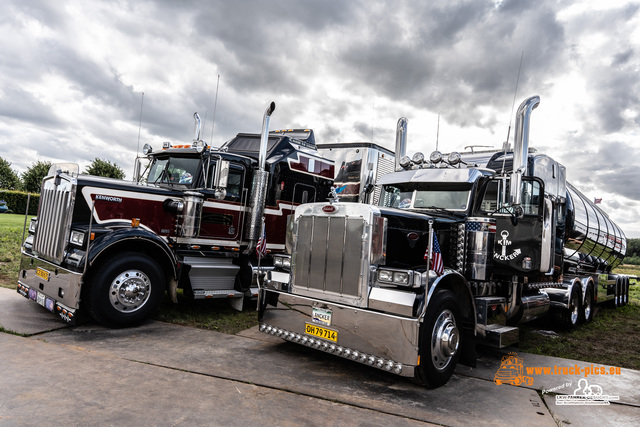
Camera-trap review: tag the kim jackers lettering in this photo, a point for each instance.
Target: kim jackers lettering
(108, 198)
(506, 254)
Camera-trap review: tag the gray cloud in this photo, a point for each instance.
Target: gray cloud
(72, 74)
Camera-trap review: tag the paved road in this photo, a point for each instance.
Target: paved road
(164, 374)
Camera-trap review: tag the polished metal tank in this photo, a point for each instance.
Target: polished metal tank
(592, 239)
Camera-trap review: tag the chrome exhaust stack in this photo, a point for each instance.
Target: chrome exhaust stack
(401, 141)
(264, 136)
(521, 147)
(253, 227)
(196, 118)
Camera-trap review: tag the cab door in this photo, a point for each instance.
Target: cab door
(524, 241)
(224, 207)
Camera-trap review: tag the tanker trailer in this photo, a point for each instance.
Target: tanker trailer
(594, 245)
(458, 251)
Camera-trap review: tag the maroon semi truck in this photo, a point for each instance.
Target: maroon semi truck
(194, 217)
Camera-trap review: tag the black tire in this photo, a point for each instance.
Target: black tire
(618, 294)
(440, 341)
(624, 298)
(587, 306)
(567, 318)
(125, 290)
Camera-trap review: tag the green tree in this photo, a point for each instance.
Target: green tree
(9, 179)
(104, 168)
(633, 252)
(32, 178)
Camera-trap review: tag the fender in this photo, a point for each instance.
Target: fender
(455, 282)
(587, 282)
(141, 238)
(560, 296)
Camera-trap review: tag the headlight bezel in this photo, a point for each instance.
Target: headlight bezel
(33, 225)
(282, 261)
(77, 238)
(395, 277)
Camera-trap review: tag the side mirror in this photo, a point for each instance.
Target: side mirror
(221, 179)
(221, 175)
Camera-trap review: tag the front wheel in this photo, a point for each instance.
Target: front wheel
(125, 289)
(440, 340)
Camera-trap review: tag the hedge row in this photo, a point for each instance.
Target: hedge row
(17, 201)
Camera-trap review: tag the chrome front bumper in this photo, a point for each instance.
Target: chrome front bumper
(377, 339)
(53, 287)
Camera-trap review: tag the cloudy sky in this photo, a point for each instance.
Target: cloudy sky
(72, 75)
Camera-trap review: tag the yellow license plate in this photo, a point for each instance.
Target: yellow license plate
(43, 274)
(320, 332)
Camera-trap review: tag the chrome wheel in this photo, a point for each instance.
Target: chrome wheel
(444, 340)
(129, 291)
(575, 310)
(587, 309)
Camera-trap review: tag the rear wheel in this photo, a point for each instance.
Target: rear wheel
(440, 340)
(617, 301)
(567, 318)
(587, 307)
(625, 291)
(125, 290)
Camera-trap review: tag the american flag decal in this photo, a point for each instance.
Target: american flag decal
(436, 261)
(480, 226)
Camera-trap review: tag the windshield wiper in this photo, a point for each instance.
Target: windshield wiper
(443, 210)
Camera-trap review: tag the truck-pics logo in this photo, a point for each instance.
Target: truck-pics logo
(511, 371)
(504, 242)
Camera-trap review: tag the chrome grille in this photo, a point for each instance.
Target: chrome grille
(329, 254)
(54, 217)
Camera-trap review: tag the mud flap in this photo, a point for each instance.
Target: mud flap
(237, 303)
(468, 351)
(173, 290)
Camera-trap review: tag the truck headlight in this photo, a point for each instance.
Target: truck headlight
(32, 225)
(77, 238)
(395, 277)
(281, 261)
(401, 278)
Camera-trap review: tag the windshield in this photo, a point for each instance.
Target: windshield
(173, 170)
(425, 197)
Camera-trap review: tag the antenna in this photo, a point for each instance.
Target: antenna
(204, 124)
(140, 125)
(438, 132)
(373, 116)
(215, 104)
(513, 105)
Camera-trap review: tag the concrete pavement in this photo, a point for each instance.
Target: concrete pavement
(164, 374)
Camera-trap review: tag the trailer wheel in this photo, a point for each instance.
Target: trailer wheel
(440, 339)
(587, 308)
(125, 290)
(618, 293)
(567, 318)
(624, 298)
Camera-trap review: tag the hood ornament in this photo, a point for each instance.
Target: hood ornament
(333, 195)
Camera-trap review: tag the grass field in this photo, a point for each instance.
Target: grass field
(611, 339)
(10, 235)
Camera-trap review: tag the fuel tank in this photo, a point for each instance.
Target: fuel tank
(592, 239)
